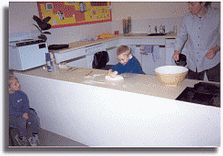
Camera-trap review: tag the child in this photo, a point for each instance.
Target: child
(20, 113)
(127, 63)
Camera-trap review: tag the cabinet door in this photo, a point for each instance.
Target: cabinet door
(80, 62)
(136, 53)
(130, 41)
(89, 60)
(149, 65)
(112, 55)
(90, 51)
(65, 56)
(170, 51)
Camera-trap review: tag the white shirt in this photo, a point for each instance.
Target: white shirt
(201, 35)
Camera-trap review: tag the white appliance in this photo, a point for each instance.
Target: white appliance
(27, 53)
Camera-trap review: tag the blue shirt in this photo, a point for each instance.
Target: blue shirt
(132, 66)
(18, 104)
(201, 35)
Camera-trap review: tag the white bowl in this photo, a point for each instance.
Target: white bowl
(171, 75)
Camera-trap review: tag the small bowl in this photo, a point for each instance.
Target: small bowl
(171, 75)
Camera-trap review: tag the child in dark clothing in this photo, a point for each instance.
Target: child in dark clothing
(20, 113)
(127, 63)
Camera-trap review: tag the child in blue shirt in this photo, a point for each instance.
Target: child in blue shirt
(127, 63)
(20, 113)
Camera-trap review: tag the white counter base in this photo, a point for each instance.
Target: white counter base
(105, 117)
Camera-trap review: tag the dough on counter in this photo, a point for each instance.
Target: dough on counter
(117, 78)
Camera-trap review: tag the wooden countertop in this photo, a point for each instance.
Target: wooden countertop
(136, 83)
(82, 44)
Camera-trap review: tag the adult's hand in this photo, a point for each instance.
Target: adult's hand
(212, 52)
(176, 55)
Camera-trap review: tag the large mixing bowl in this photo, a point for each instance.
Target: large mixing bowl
(171, 75)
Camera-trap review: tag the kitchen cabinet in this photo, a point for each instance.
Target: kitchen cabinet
(81, 62)
(91, 50)
(130, 41)
(85, 61)
(87, 52)
(69, 55)
(153, 41)
(146, 60)
(149, 64)
(139, 112)
(112, 55)
(111, 48)
(170, 42)
(112, 43)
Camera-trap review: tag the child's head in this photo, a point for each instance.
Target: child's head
(123, 54)
(13, 84)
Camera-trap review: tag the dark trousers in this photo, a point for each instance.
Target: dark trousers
(20, 123)
(213, 74)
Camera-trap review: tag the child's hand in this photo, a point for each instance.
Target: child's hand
(25, 115)
(112, 73)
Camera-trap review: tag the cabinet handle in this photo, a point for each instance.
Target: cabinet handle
(162, 46)
(143, 53)
(94, 45)
(111, 48)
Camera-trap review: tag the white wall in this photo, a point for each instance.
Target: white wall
(147, 10)
(150, 10)
(20, 16)
(142, 13)
(20, 20)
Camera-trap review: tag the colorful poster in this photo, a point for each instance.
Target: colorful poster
(65, 14)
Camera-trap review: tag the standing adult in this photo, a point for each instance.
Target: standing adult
(200, 29)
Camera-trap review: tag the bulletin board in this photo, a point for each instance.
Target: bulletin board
(65, 14)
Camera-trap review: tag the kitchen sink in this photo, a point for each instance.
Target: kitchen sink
(157, 34)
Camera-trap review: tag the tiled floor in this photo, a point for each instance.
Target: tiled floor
(51, 139)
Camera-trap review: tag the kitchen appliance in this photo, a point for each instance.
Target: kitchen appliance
(202, 93)
(27, 53)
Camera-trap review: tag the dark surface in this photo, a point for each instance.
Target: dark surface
(182, 60)
(157, 34)
(28, 42)
(202, 93)
(58, 46)
(100, 60)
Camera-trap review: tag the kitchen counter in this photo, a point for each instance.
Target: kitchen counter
(137, 112)
(82, 44)
(136, 83)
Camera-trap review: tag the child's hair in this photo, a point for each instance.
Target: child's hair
(12, 77)
(123, 49)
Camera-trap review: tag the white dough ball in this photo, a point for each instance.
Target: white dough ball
(117, 78)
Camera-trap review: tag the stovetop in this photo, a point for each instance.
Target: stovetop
(202, 93)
